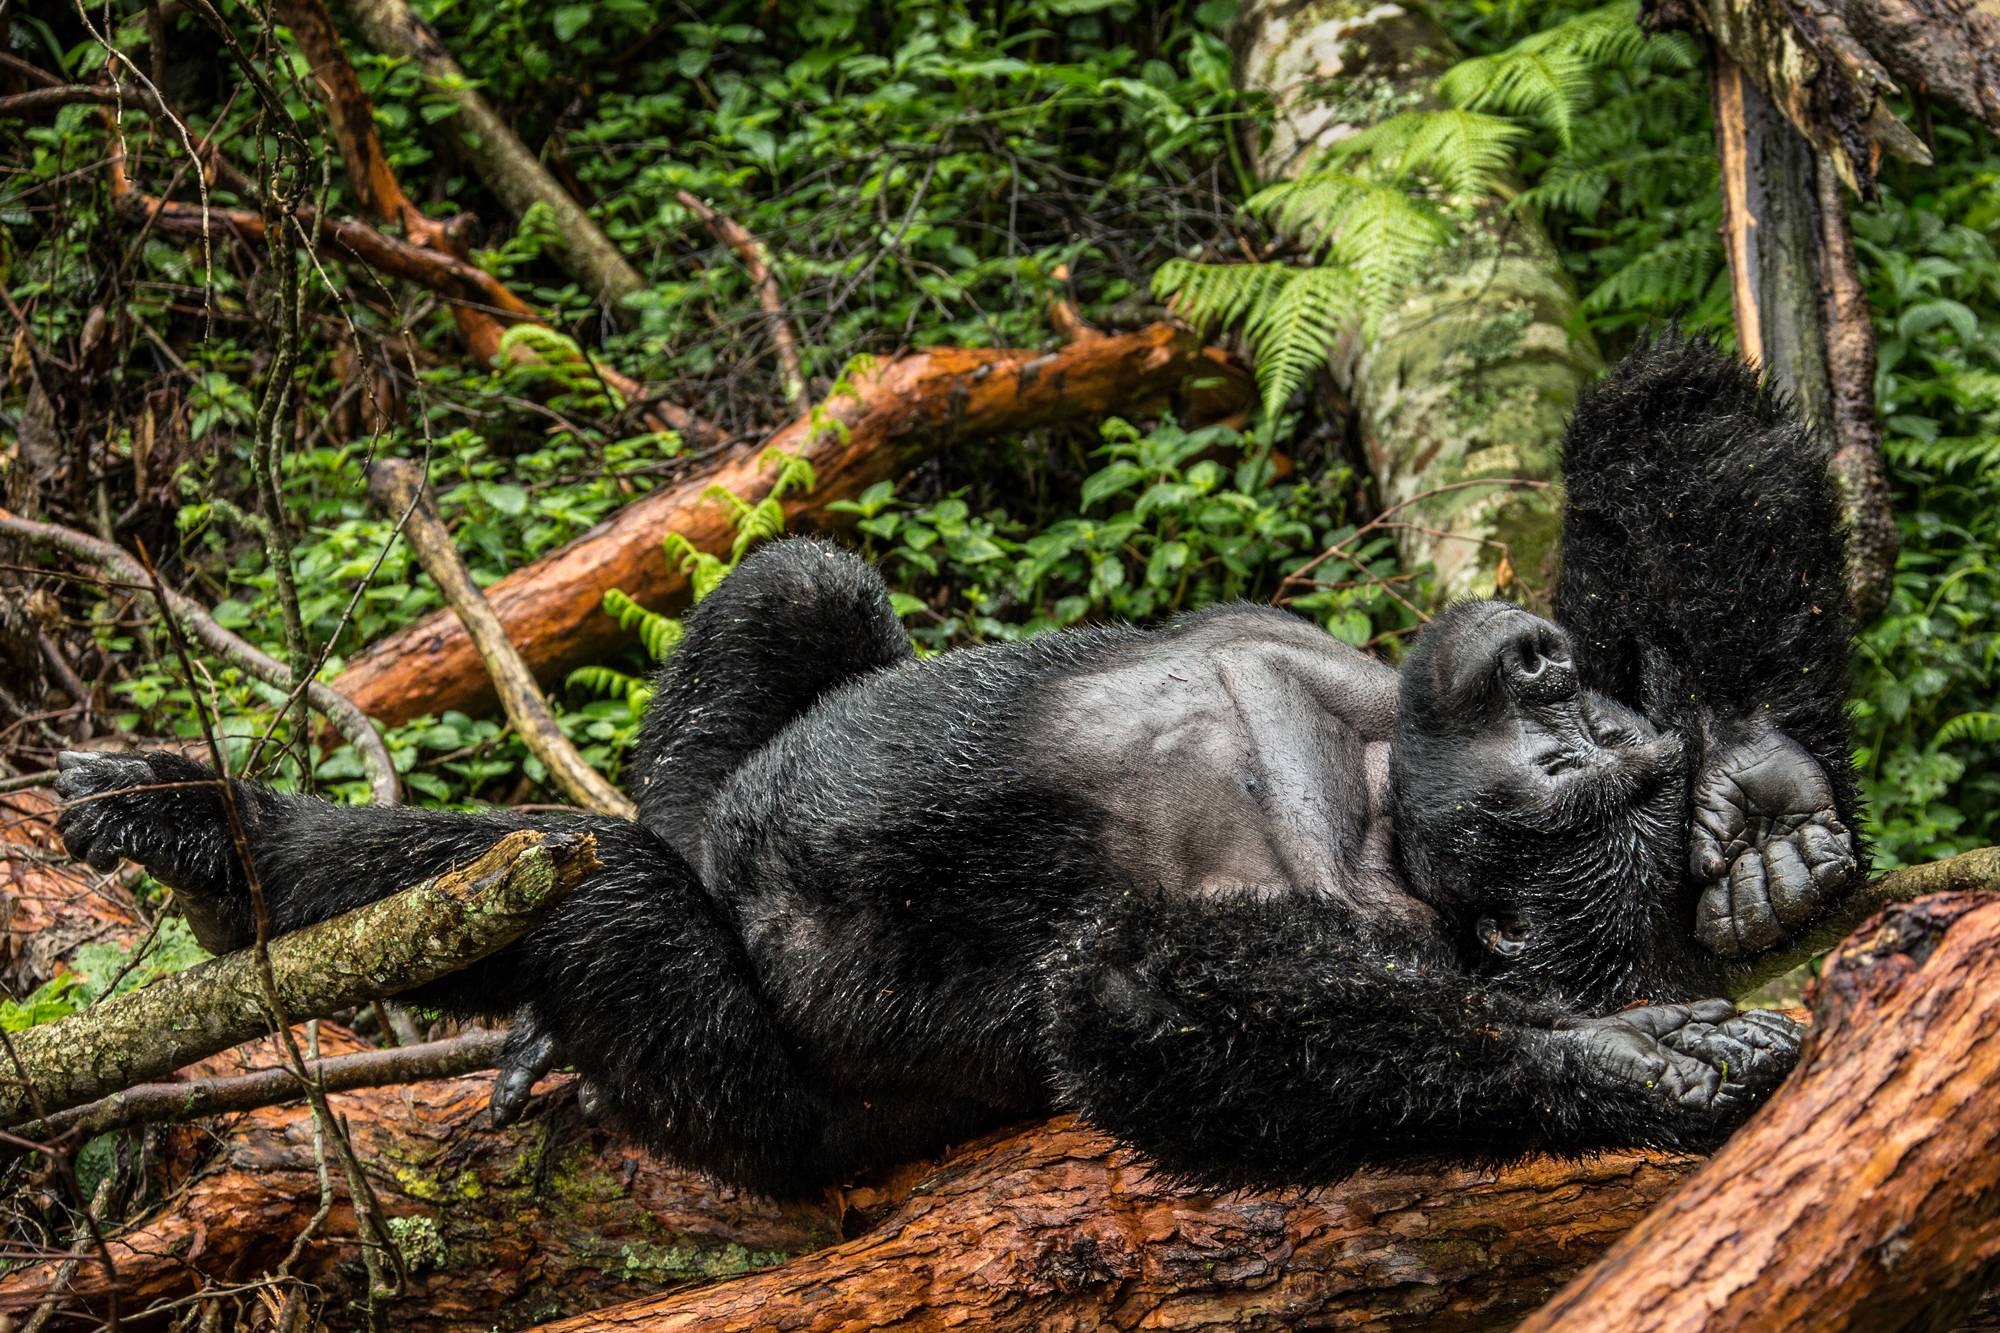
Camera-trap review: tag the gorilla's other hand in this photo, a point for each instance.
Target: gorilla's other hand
(1766, 842)
(1704, 1060)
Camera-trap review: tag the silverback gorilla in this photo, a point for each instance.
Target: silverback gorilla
(1260, 905)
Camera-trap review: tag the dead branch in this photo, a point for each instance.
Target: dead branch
(382, 949)
(348, 720)
(1948, 49)
(757, 263)
(900, 412)
(1866, 1195)
(502, 161)
(398, 486)
(197, 1099)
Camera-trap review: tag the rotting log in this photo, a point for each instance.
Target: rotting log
(901, 411)
(1060, 1227)
(382, 949)
(1865, 1196)
(550, 1216)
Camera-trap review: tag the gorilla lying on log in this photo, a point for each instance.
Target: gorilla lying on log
(1240, 894)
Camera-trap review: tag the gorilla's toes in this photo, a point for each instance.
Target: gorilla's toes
(1711, 1064)
(522, 1065)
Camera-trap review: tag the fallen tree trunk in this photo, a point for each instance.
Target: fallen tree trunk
(1060, 1227)
(1866, 1195)
(501, 1228)
(382, 949)
(900, 412)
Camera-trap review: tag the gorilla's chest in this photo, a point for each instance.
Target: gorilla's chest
(1220, 765)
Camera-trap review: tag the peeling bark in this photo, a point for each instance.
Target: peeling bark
(901, 412)
(1865, 1196)
(1474, 373)
(1800, 309)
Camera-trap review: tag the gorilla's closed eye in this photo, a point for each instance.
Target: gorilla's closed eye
(1558, 761)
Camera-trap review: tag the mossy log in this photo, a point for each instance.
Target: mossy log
(378, 950)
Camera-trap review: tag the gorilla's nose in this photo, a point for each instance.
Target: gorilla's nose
(1536, 665)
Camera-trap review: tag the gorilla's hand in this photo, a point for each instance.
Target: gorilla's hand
(1766, 842)
(160, 810)
(1710, 1064)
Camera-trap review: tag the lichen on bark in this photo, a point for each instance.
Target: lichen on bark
(1477, 363)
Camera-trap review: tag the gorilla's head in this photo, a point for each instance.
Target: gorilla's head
(1546, 823)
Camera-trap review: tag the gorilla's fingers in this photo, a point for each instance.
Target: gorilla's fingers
(1757, 926)
(1714, 927)
(520, 1069)
(590, 1100)
(1829, 853)
(1794, 897)
(1657, 1020)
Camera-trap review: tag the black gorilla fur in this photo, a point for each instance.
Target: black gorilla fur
(1234, 891)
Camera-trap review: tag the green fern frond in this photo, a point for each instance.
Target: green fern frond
(1376, 230)
(1465, 151)
(1551, 86)
(661, 634)
(1294, 329)
(1607, 36)
(1983, 728)
(605, 682)
(704, 571)
(1675, 271)
(794, 472)
(1981, 453)
(1214, 296)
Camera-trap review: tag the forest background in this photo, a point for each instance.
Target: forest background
(802, 193)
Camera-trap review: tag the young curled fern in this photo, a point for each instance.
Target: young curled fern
(610, 684)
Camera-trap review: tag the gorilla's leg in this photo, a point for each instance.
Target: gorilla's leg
(794, 620)
(1272, 1043)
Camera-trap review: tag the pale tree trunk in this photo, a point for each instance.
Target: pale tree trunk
(1475, 370)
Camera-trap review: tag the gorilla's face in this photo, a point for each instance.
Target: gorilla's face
(1545, 822)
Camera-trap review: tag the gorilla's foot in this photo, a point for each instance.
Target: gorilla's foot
(1767, 843)
(1708, 1063)
(159, 810)
(529, 1054)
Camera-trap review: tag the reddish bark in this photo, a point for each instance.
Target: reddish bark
(901, 412)
(1060, 1228)
(546, 1217)
(1866, 1195)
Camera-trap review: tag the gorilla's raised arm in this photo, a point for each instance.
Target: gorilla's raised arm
(1703, 584)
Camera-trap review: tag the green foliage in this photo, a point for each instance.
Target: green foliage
(1923, 704)
(1385, 201)
(1166, 525)
(105, 972)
